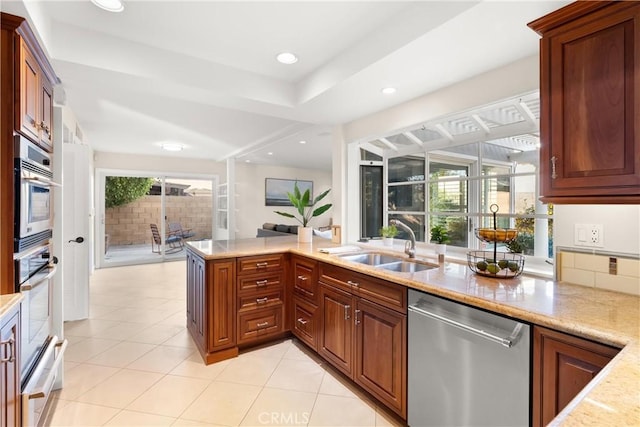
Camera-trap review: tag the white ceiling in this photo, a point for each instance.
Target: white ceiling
(204, 74)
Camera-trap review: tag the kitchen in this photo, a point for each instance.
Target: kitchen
(616, 239)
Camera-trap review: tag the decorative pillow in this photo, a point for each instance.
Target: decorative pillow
(269, 226)
(282, 228)
(293, 229)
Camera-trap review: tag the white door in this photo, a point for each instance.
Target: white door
(76, 182)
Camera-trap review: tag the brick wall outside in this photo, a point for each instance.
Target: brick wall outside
(129, 224)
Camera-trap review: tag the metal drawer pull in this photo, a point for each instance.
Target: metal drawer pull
(302, 278)
(262, 325)
(356, 284)
(261, 264)
(262, 300)
(347, 310)
(554, 159)
(261, 282)
(506, 342)
(11, 343)
(302, 321)
(357, 317)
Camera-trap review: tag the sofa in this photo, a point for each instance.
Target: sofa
(271, 230)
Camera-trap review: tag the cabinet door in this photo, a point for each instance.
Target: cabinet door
(221, 297)
(305, 324)
(336, 336)
(381, 342)
(196, 299)
(28, 119)
(305, 278)
(590, 99)
(563, 365)
(9, 373)
(46, 114)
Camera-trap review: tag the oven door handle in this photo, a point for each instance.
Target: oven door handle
(53, 373)
(30, 286)
(42, 181)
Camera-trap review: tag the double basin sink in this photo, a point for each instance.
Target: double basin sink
(388, 262)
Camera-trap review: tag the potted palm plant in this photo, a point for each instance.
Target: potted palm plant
(388, 233)
(440, 237)
(305, 207)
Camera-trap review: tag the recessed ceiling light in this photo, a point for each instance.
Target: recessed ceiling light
(287, 58)
(303, 142)
(247, 161)
(270, 153)
(388, 90)
(172, 147)
(109, 5)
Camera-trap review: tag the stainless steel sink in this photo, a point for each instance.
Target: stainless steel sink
(406, 266)
(372, 258)
(399, 264)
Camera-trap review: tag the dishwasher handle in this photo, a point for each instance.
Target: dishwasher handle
(506, 342)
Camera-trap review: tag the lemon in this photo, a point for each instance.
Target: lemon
(481, 265)
(503, 263)
(493, 268)
(513, 266)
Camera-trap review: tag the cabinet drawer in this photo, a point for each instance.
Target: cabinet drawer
(256, 324)
(305, 323)
(260, 264)
(260, 282)
(260, 300)
(384, 293)
(305, 279)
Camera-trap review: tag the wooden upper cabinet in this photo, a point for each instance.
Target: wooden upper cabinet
(590, 103)
(29, 111)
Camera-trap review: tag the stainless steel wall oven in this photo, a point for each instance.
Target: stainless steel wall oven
(33, 215)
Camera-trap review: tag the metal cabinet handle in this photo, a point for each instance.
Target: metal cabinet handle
(261, 264)
(357, 317)
(356, 284)
(262, 300)
(553, 167)
(261, 282)
(347, 312)
(302, 278)
(11, 343)
(302, 321)
(262, 325)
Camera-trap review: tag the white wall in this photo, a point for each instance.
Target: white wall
(163, 164)
(621, 225)
(251, 210)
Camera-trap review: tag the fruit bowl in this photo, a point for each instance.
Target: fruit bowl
(499, 235)
(505, 265)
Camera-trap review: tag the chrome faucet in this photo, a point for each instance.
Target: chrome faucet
(409, 247)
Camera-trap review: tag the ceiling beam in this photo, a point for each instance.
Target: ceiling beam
(388, 143)
(372, 148)
(413, 138)
(525, 111)
(476, 118)
(442, 131)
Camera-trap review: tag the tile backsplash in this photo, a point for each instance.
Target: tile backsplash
(593, 270)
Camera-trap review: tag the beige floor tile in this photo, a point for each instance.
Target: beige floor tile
(81, 414)
(121, 354)
(178, 318)
(120, 389)
(162, 359)
(187, 423)
(181, 339)
(341, 411)
(131, 419)
(82, 378)
(170, 396)
(122, 330)
(68, 365)
(88, 348)
(96, 311)
(385, 420)
(222, 403)
(74, 339)
(275, 350)
(336, 386)
(301, 375)
(88, 327)
(194, 367)
(156, 334)
(249, 370)
(128, 314)
(300, 352)
(276, 407)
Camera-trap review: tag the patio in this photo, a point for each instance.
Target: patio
(132, 254)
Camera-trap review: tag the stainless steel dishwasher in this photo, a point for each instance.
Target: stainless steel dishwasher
(466, 367)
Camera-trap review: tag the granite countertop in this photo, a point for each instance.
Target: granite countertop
(9, 301)
(612, 318)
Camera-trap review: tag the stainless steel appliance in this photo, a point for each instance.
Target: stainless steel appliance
(33, 216)
(466, 367)
(40, 352)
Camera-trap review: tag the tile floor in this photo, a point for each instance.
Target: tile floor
(132, 363)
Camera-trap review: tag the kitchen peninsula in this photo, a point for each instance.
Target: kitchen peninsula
(250, 291)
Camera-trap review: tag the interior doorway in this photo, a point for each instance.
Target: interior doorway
(147, 218)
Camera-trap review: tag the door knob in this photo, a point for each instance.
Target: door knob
(77, 240)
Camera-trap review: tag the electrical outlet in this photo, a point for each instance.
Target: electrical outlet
(589, 235)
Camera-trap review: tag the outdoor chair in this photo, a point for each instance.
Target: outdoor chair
(173, 241)
(176, 227)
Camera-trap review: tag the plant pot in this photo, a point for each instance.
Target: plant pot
(305, 234)
(387, 241)
(441, 248)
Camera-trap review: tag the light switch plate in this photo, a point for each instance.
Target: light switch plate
(588, 235)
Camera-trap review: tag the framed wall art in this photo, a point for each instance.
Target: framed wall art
(276, 190)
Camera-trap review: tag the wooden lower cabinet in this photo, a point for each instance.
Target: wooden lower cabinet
(336, 332)
(381, 353)
(305, 322)
(562, 366)
(10, 369)
(258, 324)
